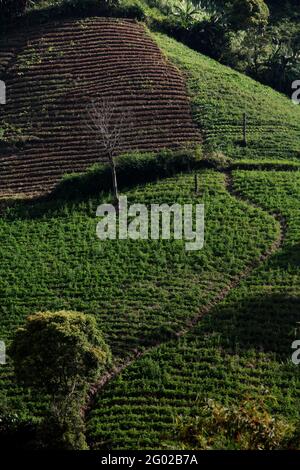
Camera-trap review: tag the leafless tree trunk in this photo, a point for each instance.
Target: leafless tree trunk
(108, 126)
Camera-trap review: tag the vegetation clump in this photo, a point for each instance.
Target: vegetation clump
(246, 426)
(59, 354)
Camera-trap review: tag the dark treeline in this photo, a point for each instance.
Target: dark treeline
(259, 38)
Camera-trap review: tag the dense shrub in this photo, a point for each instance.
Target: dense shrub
(77, 9)
(59, 355)
(132, 10)
(217, 160)
(114, 8)
(248, 14)
(208, 36)
(247, 426)
(133, 168)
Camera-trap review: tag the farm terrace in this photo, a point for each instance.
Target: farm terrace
(51, 82)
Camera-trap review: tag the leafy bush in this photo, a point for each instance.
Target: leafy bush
(131, 169)
(248, 426)
(40, 13)
(114, 8)
(133, 10)
(217, 160)
(248, 14)
(186, 12)
(60, 354)
(54, 351)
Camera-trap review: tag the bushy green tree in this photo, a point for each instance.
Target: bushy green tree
(283, 63)
(188, 12)
(269, 55)
(247, 14)
(246, 426)
(60, 354)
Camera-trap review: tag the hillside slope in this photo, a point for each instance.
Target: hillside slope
(240, 349)
(221, 96)
(140, 291)
(52, 74)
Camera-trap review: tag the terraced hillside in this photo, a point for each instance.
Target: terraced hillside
(52, 73)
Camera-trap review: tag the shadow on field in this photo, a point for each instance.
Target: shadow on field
(96, 183)
(264, 322)
(287, 259)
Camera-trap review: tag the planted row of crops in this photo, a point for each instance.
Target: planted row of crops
(140, 291)
(220, 97)
(241, 349)
(53, 73)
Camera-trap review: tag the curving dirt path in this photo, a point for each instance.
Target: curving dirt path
(276, 245)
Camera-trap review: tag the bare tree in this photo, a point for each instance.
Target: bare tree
(108, 126)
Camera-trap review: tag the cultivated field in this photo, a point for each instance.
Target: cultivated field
(141, 292)
(221, 95)
(241, 348)
(53, 72)
(182, 326)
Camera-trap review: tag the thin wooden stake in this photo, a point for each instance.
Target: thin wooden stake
(196, 183)
(245, 129)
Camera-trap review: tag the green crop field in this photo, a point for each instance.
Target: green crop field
(241, 348)
(183, 327)
(140, 291)
(220, 97)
